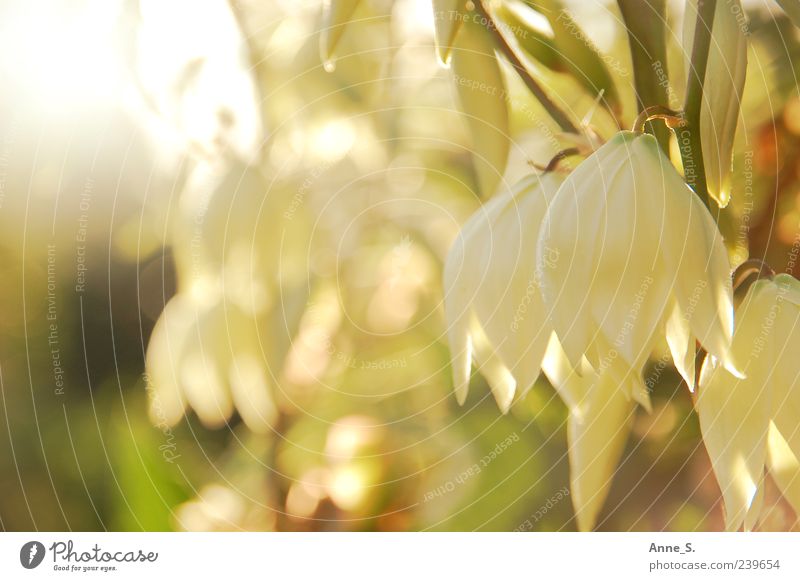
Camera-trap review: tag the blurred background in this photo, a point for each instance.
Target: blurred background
(221, 302)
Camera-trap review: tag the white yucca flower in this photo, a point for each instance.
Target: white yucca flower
(212, 348)
(497, 319)
(638, 253)
(722, 90)
(209, 357)
(494, 311)
(751, 422)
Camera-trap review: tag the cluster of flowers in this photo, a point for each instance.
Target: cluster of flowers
(581, 277)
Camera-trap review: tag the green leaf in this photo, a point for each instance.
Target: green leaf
(336, 14)
(537, 44)
(448, 15)
(578, 52)
(482, 95)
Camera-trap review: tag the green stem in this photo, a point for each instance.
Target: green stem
(689, 140)
(672, 119)
(645, 24)
(748, 268)
(552, 109)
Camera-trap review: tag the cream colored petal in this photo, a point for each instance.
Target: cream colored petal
(600, 411)
(508, 302)
(681, 345)
(629, 292)
(707, 369)
(756, 508)
(722, 91)
(735, 413)
(784, 467)
(164, 353)
(570, 386)
(630, 381)
(203, 368)
(206, 392)
(457, 299)
(695, 253)
(461, 359)
(567, 250)
(628, 378)
(244, 353)
(251, 393)
(597, 431)
(492, 367)
(640, 393)
(492, 300)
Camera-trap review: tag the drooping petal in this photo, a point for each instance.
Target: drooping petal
(457, 301)
(600, 412)
(568, 245)
(695, 255)
(489, 363)
(597, 431)
(571, 387)
(630, 289)
(164, 351)
(251, 393)
(509, 304)
(784, 467)
(245, 352)
(681, 345)
(203, 368)
(756, 507)
(628, 378)
(493, 305)
(735, 413)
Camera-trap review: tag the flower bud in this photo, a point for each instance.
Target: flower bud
(722, 91)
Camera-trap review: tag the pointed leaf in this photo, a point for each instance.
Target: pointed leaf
(539, 45)
(579, 53)
(482, 95)
(448, 15)
(336, 14)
